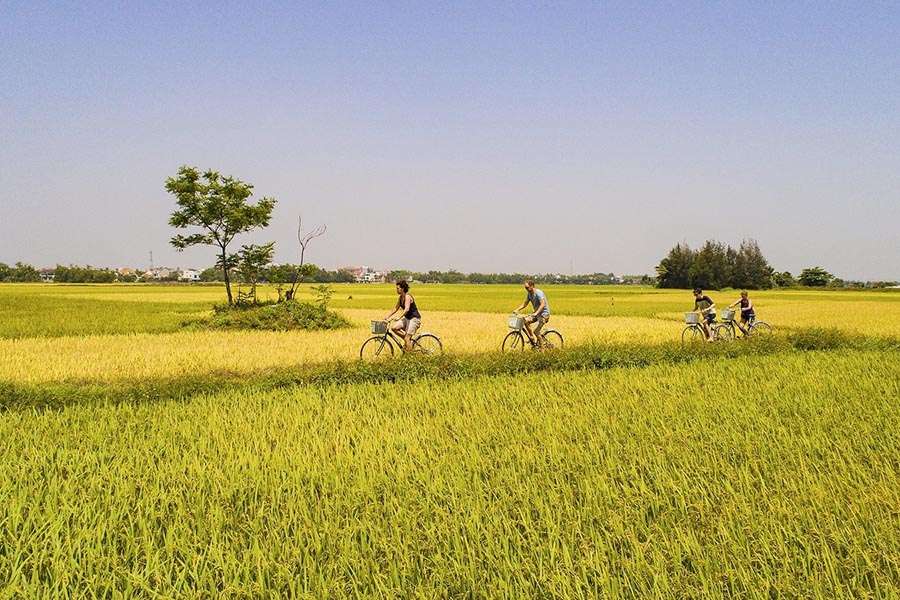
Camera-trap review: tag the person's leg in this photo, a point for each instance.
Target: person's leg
(411, 327)
(539, 325)
(398, 327)
(528, 320)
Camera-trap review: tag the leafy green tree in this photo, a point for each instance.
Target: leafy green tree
(5, 272)
(23, 273)
(220, 208)
(783, 279)
(252, 260)
(711, 268)
(323, 293)
(211, 274)
(815, 277)
(750, 270)
(674, 271)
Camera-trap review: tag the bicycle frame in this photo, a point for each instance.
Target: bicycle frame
(390, 336)
(736, 323)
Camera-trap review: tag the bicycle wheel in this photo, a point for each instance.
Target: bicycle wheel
(552, 339)
(722, 333)
(760, 328)
(692, 334)
(427, 343)
(377, 346)
(513, 342)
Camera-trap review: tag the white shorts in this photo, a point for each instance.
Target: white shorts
(410, 326)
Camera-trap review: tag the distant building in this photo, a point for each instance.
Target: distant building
(160, 273)
(192, 275)
(366, 274)
(48, 275)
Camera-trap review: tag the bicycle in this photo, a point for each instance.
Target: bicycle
(384, 339)
(694, 333)
(755, 328)
(515, 339)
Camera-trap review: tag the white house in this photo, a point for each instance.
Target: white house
(192, 275)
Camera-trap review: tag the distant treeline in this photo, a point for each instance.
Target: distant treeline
(313, 274)
(715, 266)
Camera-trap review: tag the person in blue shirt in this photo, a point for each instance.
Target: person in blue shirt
(539, 316)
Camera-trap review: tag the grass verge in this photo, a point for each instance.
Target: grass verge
(412, 368)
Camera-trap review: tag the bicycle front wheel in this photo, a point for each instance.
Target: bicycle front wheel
(428, 343)
(692, 334)
(513, 342)
(723, 333)
(552, 339)
(760, 328)
(376, 347)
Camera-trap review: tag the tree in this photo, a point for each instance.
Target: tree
(815, 277)
(304, 239)
(783, 279)
(23, 273)
(211, 274)
(220, 207)
(251, 262)
(711, 269)
(674, 271)
(751, 269)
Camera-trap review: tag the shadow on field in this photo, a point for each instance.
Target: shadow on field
(51, 396)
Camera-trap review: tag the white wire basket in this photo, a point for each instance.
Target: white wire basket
(691, 318)
(728, 314)
(379, 327)
(515, 322)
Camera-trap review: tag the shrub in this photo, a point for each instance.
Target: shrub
(284, 316)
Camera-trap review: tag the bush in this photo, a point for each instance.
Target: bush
(284, 316)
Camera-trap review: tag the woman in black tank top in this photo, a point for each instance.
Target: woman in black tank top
(407, 325)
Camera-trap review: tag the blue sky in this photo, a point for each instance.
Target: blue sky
(476, 136)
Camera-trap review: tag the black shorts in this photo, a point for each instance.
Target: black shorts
(748, 317)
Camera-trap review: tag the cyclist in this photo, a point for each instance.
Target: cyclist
(541, 313)
(748, 315)
(410, 320)
(707, 309)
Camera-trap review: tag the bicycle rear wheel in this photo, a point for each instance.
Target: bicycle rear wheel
(377, 346)
(513, 342)
(552, 339)
(692, 334)
(760, 329)
(428, 343)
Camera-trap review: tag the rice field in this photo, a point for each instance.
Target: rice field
(754, 475)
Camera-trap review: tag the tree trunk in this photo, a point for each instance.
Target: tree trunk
(227, 278)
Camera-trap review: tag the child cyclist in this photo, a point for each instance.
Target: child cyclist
(748, 315)
(707, 309)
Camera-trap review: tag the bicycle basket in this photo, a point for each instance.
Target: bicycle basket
(379, 327)
(691, 318)
(516, 322)
(728, 315)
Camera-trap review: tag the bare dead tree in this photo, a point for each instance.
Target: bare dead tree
(304, 239)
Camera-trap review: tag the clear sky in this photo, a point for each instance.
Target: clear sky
(479, 136)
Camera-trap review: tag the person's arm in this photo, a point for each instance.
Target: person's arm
(524, 304)
(540, 307)
(749, 305)
(391, 314)
(735, 303)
